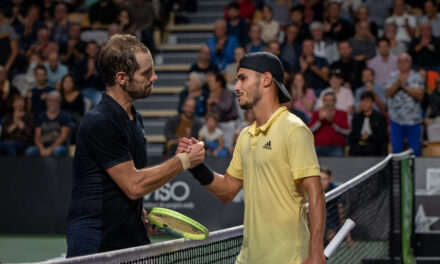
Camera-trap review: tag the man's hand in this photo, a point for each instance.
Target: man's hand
(197, 154)
(185, 145)
(315, 259)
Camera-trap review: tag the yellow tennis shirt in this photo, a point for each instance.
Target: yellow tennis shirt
(270, 159)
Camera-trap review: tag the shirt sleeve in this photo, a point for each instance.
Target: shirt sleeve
(301, 153)
(235, 168)
(107, 144)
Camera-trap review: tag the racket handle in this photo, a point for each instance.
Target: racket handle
(338, 238)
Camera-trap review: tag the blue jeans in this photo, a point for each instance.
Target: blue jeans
(398, 133)
(329, 151)
(57, 152)
(11, 148)
(93, 94)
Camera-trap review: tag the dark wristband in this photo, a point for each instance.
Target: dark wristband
(203, 173)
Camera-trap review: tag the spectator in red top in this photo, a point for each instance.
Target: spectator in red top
(330, 128)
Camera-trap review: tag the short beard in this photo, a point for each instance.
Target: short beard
(134, 94)
(256, 99)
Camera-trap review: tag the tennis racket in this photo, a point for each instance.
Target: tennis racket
(174, 223)
(338, 238)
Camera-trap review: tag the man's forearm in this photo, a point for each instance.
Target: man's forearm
(316, 223)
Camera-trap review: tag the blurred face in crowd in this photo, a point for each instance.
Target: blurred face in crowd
(297, 85)
(74, 31)
(220, 29)
(363, 14)
(113, 29)
(211, 123)
(317, 33)
(53, 103)
(238, 53)
(52, 58)
(41, 77)
(366, 104)
(43, 35)
(384, 48)
(255, 32)
(296, 17)
(33, 13)
(308, 47)
(189, 107)
(267, 14)
(67, 85)
(92, 50)
(363, 29)
(194, 84)
(399, 7)
(425, 30)
(367, 76)
(141, 84)
(233, 13)
(274, 48)
(404, 62)
(430, 9)
(213, 84)
(248, 88)
(124, 17)
(329, 101)
(333, 10)
(325, 181)
(291, 33)
(60, 12)
(345, 49)
(18, 104)
(204, 54)
(335, 81)
(390, 31)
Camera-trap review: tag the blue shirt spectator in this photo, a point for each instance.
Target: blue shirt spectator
(222, 46)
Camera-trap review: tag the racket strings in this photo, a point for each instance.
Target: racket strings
(176, 224)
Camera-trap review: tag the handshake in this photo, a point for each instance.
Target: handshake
(193, 150)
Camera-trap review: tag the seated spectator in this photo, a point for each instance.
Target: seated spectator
(55, 70)
(270, 28)
(37, 95)
(303, 96)
(313, 10)
(363, 16)
(364, 46)
(335, 27)
(406, 23)
(61, 23)
(43, 46)
(237, 26)
(425, 50)
(143, 16)
(185, 124)
(330, 128)
(369, 134)
(222, 102)
(350, 68)
(296, 16)
(125, 22)
(384, 63)
(212, 135)
(397, 48)
(88, 76)
(280, 10)
(247, 9)
(379, 103)
(17, 128)
(72, 101)
(324, 48)
(8, 42)
(31, 24)
(291, 47)
(432, 120)
(432, 17)
(404, 93)
(314, 68)
(221, 45)
(231, 70)
(102, 14)
(195, 89)
(6, 91)
(52, 129)
(72, 51)
(256, 44)
(344, 96)
(204, 64)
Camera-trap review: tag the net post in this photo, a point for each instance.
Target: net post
(390, 178)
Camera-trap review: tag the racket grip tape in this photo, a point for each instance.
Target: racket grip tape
(203, 173)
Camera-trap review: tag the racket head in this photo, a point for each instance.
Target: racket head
(177, 224)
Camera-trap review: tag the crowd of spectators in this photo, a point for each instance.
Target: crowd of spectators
(364, 74)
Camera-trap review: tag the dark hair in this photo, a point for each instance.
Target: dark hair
(370, 70)
(269, 7)
(383, 39)
(344, 41)
(292, 81)
(75, 86)
(296, 8)
(40, 67)
(367, 94)
(233, 5)
(432, 1)
(213, 115)
(330, 93)
(326, 170)
(118, 55)
(220, 78)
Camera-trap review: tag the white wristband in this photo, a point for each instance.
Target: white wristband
(184, 159)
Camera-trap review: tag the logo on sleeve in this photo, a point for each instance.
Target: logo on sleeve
(268, 145)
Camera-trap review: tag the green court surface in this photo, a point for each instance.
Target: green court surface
(36, 248)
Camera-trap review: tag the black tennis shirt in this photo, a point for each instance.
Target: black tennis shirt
(101, 217)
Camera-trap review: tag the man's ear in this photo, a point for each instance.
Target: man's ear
(267, 79)
(121, 78)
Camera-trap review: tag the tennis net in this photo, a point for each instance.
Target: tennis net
(371, 199)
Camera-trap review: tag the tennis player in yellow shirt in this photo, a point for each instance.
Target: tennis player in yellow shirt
(274, 161)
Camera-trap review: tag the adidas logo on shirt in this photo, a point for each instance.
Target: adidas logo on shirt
(268, 145)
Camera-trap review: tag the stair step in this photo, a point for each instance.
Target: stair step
(211, 6)
(176, 58)
(167, 89)
(154, 149)
(156, 138)
(158, 113)
(154, 126)
(204, 27)
(158, 102)
(182, 47)
(189, 38)
(171, 79)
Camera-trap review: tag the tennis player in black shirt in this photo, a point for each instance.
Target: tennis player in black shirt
(109, 174)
